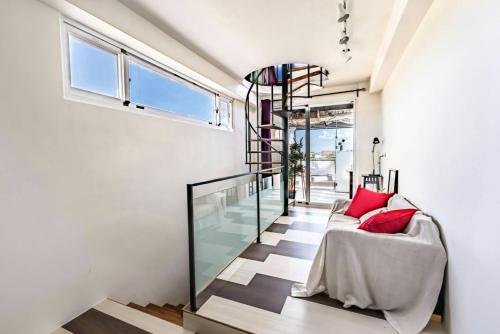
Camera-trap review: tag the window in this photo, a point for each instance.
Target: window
(93, 68)
(103, 71)
(153, 87)
(225, 112)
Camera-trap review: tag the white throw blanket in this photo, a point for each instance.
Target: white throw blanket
(400, 274)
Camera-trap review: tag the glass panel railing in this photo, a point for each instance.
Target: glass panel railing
(271, 199)
(225, 216)
(225, 223)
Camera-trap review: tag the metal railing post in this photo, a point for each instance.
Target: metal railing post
(284, 92)
(351, 184)
(192, 274)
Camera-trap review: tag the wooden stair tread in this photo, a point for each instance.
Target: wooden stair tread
(159, 312)
(171, 308)
(305, 76)
(301, 68)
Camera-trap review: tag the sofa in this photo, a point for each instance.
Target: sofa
(400, 274)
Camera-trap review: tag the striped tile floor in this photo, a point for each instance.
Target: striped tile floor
(253, 292)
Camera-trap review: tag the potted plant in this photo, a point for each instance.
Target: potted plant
(295, 166)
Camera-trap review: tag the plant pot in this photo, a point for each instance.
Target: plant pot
(291, 194)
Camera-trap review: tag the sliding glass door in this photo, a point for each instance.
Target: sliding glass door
(327, 137)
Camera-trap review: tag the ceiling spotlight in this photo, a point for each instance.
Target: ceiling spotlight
(346, 54)
(344, 38)
(343, 15)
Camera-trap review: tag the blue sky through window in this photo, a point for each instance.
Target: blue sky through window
(324, 139)
(152, 89)
(93, 69)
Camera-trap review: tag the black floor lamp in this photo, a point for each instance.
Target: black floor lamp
(375, 142)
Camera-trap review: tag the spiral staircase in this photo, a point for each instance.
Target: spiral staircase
(273, 90)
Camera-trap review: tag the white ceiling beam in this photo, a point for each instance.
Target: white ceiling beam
(403, 23)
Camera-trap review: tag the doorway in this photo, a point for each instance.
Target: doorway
(327, 137)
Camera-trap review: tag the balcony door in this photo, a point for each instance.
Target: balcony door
(327, 137)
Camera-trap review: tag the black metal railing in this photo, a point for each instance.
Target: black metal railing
(262, 177)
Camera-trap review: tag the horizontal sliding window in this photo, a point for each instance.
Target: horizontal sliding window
(153, 87)
(93, 68)
(100, 70)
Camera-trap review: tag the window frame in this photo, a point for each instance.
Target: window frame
(164, 72)
(229, 101)
(125, 55)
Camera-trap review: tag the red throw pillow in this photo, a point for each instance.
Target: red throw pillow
(365, 201)
(393, 221)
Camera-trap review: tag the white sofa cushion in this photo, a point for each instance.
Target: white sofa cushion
(398, 202)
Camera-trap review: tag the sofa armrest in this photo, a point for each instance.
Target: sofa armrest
(339, 206)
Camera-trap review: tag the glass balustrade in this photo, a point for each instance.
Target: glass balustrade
(225, 216)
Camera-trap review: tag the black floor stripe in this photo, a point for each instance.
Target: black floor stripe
(297, 225)
(263, 292)
(269, 293)
(277, 228)
(96, 322)
(260, 252)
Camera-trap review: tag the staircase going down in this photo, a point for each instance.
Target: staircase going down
(166, 312)
(110, 317)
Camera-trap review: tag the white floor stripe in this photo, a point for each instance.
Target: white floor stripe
(321, 319)
(242, 271)
(302, 218)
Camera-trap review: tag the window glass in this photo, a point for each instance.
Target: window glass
(158, 90)
(92, 68)
(225, 113)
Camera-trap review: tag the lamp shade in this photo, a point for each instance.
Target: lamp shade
(376, 141)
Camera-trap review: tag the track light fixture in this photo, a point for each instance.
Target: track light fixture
(343, 14)
(347, 56)
(344, 38)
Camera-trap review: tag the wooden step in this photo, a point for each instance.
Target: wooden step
(301, 68)
(113, 317)
(177, 309)
(159, 312)
(305, 76)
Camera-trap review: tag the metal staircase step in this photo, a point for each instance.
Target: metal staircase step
(270, 126)
(280, 152)
(281, 113)
(264, 162)
(265, 139)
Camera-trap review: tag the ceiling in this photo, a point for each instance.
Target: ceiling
(239, 36)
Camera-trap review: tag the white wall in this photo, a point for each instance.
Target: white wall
(92, 200)
(441, 119)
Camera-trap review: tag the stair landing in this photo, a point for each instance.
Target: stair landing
(110, 317)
